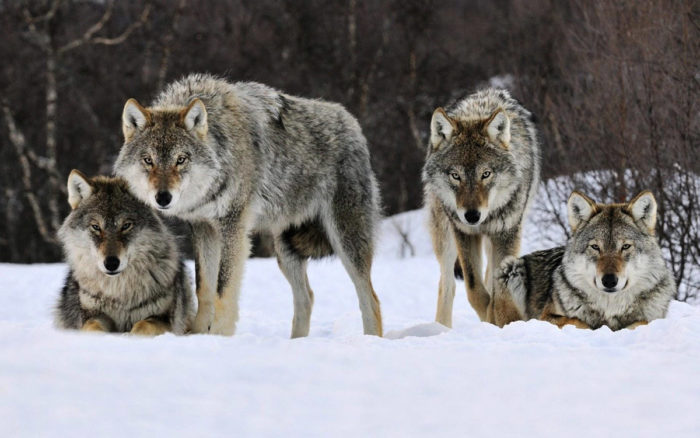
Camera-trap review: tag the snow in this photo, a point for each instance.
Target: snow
(422, 379)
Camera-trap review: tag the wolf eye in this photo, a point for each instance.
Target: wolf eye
(454, 176)
(126, 226)
(148, 161)
(596, 247)
(181, 160)
(95, 227)
(486, 174)
(626, 246)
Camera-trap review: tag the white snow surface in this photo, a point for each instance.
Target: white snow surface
(421, 379)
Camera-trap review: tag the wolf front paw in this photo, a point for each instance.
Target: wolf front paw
(148, 327)
(202, 323)
(636, 324)
(94, 325)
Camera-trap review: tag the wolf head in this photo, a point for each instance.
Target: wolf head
(470, 166)
(612, 247)
(165, 157)
(107, 227)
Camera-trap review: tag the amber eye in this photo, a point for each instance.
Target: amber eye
(486, 174)
(148, 161)
(454, 176)
(126, 226)
(626, 246)
(181, 160)
(95, 227)
(596, 247)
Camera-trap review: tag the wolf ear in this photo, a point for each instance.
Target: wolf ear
(79, 188)
(643, 209)
(134, 117)
(498, 128)
(442, 127)
(195, 117)
(580, 208)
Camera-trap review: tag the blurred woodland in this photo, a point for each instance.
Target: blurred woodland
(613, 85)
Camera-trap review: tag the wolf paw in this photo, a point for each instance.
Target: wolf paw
(94, 325)
(148, 328)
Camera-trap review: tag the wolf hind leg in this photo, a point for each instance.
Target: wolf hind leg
(293, 266)
(350, 230)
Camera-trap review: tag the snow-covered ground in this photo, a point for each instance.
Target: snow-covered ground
(420, 380)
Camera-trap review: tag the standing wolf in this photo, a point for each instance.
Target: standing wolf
(232, 158)
(481, 172)
(610, 272)
(125, 270)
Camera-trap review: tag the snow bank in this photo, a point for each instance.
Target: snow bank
(420, 380)
(475, 380)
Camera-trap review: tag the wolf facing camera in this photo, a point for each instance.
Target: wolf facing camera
(235, 158)
(126, 274)
(611, 271)
(479, 177)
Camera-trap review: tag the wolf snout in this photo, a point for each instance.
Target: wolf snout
(163, 199)
(609, 282)
(111, 264)
(472, 216)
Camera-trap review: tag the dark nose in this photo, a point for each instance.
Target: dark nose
(163, 198)
(472, 216)
(111, 263)
(609, 280)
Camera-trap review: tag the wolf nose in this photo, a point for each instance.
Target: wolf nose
(609, 280)
(472, 216)
(111, 263)
(163, 198)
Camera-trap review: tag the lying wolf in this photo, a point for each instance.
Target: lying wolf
(480, 175)
(233, 158)
(610, 272)
(125, 271)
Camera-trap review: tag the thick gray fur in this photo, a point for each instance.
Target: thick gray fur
(153, 283)
(264, 160)
(468, 138)
(558, 280)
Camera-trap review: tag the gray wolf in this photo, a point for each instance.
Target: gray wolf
(125, 271)
(479, 177)
(235, 158)
(611, 271)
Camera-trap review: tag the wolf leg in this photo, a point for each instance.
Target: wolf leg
(446, 253)
(351, 234)
(503, 310)
(207, 255)
(234, 253)
(150, 327)
(293, 266)
(469, 251)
